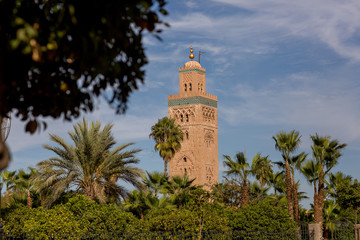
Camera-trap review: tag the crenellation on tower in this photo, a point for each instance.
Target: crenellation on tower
(195, 111)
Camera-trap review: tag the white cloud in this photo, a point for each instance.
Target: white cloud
(191, 4)
(335, 23)
(268, 22)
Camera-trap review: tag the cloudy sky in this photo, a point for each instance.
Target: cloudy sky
(274, 65)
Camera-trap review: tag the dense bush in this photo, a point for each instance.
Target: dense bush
(262, 216)
(41, 221)
(94, 217)
(78, 215)
(82, 215)
(185, 220)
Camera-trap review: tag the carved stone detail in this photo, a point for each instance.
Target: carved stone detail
(183, 115)
(184, 165)
(209, 137)
(208, 114)
(209, 173)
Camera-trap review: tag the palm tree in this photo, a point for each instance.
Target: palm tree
(261, 168)
(168, 137)
(155, 182)
(326, 153)
(8, 179)
(92, 165)
(311, 170)
(24, 185)
(296, 163)
(179, 188)
(287, 143)
(257, 192)
(239, 168)
(136, 202)
(276, 181)
(331, 213)
(334, 180)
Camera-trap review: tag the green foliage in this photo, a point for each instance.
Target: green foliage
(78, 215)
(93, 164)
(93, 217)
(41, 221)
(185, 220)
(57, 57)
(261, 216)
(168, 137)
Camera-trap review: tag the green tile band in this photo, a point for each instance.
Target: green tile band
(193, 100)
(192, 70)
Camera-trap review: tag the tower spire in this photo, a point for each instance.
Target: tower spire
(191, 56)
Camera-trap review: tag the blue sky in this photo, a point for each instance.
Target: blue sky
(274, 65)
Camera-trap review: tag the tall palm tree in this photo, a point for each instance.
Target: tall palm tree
(326, 153)
(288, 143)
(239, 168)
(8, 179)
(311, 170)
(92, 165)
(296, 162)
(261, 168)
(168, 137)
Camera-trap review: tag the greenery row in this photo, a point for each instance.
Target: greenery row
(80, 215)
(79, 189)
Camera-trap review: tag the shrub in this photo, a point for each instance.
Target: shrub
(261, 217)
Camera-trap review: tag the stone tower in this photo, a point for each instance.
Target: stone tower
(196, 112)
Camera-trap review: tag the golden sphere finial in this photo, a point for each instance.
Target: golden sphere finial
(191, 56)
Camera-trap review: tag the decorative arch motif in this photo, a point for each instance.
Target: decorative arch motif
(209, 137)
(209, 173)
(208, 114)
(184, 115)
(184, 165)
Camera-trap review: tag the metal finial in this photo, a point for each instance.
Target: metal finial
(191, 56)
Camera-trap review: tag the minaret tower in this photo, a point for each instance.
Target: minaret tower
(196, 112)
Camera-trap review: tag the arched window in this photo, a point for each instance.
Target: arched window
(187, 117)
(181, 118)
(190, 87)
(185, 87)
(185, 171)
(198, 86)
(187, 135)
(185, 160)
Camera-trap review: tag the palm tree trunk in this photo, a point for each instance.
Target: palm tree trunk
(43, 198)
(244, 194)
(165, 167)
(316, 201)
(7, 197)
(275, 198)
(296, 201)
(320, 202)
(326, 233)
(288, 190)
(29, 200)
(356, 230)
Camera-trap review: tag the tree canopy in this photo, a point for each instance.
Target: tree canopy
(57, 57)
